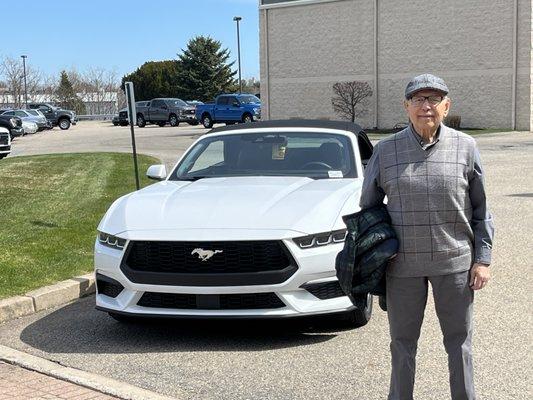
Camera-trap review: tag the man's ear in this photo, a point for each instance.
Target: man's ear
(447, 106)
(405, 104)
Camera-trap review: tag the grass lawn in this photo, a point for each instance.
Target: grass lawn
(50, 207)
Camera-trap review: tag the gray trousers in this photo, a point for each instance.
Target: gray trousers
(406, 301)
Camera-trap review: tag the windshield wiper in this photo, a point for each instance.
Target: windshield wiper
(190, 178)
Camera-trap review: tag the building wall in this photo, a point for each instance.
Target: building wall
(306, 48)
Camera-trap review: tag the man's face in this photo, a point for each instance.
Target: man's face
(425, 110)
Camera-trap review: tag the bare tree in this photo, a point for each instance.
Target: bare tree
(349, 98)
(13, 73)
(100, 87)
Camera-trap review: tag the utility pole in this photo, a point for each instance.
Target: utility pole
(25, 84)
(237, 19)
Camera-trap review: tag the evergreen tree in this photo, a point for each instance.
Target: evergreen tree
(204, 70)
(66, 96)
(154, 79)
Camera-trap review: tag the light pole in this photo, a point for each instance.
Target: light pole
(237, 19)
(25, 85)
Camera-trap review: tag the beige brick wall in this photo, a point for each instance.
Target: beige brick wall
(310, 47)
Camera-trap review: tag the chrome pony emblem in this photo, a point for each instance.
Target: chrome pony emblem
(205, 255)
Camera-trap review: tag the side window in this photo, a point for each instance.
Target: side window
(232, 100)
(212, 155)
(222, 101)
(44, 109)
(20, 114)
(156, 103)
(9, 113)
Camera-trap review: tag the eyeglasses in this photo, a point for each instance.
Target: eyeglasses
(417, 101)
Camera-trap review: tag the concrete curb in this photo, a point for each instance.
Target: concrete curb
(46, 297)
(87, 379)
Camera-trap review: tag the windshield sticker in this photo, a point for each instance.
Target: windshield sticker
(335, 174)
(278, 151)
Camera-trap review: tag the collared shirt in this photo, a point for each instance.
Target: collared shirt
(420, 140)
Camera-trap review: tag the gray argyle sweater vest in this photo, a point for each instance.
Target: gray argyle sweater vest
(428, 201)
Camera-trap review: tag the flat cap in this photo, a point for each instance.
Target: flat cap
(425, 81)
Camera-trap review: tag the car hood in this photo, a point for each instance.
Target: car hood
(292, 205)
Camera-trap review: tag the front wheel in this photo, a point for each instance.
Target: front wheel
(247, 118)
(173, 120)
(141, 123)
(64, 123)
(359, 316)
(207, 122)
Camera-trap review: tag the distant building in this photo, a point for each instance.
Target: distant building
(97, 103)
(481, 48)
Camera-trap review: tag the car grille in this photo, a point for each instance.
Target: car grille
(4, 139)
(190, 112)
(325, 290)
(235, 263)
(246, 301)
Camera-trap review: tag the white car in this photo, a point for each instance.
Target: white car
(246, 225)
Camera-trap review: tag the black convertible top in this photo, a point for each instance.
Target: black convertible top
(365, 146)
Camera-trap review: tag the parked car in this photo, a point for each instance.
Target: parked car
(246, 225)
(57, 116)
(114, 120)
(229, 108)
(165, 110)
(13, 124)
(29, 127)
(30, 116)
(5, 141)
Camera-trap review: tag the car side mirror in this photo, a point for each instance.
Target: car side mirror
(157, 172)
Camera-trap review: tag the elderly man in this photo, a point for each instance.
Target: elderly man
(433, 180)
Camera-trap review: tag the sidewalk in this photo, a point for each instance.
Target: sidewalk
(17, 383)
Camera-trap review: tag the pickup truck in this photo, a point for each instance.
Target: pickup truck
(9, 127)
(229, 108)
(165, 110)
(57, 116)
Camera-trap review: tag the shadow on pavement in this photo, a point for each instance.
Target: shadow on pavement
(79, 328)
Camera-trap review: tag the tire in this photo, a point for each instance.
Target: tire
(64, 123)
(162, 124)
(173, 120)
(115, 123)
(358, 317)
(247, 118)
(207, 122)
(141, 123)
(2, 156)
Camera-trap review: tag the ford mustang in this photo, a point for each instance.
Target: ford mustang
(246, 225)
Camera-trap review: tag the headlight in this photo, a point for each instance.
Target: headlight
(320, 239)
(111, 241)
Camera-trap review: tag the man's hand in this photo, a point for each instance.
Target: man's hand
(479, 276)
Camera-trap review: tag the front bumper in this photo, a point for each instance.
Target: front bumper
(291, 298)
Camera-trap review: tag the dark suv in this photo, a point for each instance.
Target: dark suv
(57, 116)
(166, 110)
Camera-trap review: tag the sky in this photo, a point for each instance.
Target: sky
(121, 35)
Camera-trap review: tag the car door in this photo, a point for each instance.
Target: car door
(157, 110)
(47, 111)
(234, 109)
(221, 108)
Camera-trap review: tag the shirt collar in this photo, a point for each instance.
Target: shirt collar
(419, 139)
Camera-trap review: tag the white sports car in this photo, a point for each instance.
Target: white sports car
(246, 225)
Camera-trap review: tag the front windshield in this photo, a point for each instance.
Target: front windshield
(178, 102)
(249, 99)
(315, 155)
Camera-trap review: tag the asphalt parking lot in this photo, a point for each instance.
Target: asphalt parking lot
(307, 359)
